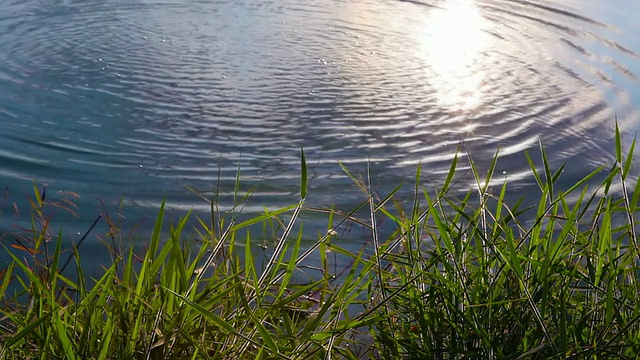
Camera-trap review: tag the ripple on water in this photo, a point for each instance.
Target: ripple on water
(139, 94)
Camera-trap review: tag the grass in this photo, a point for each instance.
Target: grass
(462, 277)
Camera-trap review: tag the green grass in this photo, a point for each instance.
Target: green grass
(464, 276)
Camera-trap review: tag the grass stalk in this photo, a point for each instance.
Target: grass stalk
(455, 278)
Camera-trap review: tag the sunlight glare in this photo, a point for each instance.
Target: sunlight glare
(452, 43)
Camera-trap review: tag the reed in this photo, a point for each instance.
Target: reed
(462, 276)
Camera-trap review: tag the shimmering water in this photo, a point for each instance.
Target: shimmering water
(131, 100)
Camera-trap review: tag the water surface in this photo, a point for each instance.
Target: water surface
(131, 100)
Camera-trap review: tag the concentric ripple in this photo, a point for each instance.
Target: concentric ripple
(131, 98)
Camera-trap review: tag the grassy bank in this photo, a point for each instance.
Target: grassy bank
(463, 276)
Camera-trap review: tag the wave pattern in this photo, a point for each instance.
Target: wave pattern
(131, 97)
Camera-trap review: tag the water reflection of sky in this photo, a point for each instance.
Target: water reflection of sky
(176, 86)
(614, 53)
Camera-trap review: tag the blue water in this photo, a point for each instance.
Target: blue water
(121, 104)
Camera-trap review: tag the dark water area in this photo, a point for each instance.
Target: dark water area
(129, 101)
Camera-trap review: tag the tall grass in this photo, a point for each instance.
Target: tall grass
(472, 280)
(463, 276)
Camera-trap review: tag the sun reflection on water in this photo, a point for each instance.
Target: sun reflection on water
(452, 43)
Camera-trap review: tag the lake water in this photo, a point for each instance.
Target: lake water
(131, 100)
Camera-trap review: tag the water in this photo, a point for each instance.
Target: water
(131, 100)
